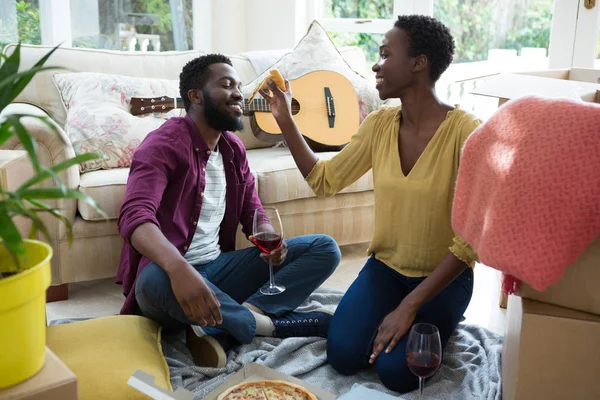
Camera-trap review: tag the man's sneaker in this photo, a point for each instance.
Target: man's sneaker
(209, 350)
(302, 324)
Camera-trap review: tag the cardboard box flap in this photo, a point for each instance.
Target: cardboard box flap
(584, 75)
(55, 381)
(536, 307)
(512, 86)
(254, 371)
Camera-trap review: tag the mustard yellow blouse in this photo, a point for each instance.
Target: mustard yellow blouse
(413, 229)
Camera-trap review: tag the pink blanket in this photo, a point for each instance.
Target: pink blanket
(528, 191)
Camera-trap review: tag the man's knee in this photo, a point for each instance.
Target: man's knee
(328, 248)
(395, 375)
(343, 357)
(152, 285)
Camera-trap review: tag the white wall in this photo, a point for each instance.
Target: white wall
(242, 25)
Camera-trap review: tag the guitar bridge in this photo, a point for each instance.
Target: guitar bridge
(330, 107)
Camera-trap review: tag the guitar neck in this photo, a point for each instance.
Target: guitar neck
(166, 104)
(260, 105)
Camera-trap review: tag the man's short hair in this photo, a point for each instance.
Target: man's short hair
(195, 74)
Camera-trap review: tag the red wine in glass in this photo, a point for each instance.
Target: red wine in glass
(423, 365)
(268, 236)
(268, 241)
(423, 352)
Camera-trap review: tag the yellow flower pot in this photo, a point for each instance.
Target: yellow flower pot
(23, 313)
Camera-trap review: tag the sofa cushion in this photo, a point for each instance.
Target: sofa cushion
(99, 118)
(276, 174)
(279, 179)
(104, 352)
(107, 188)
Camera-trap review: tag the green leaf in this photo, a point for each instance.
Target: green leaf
(11, 64)
(11, 86)
(43, 60)
(16, 82)
(26, 139)
(44, 207)
(55, 178)
(10, 234)
(5, 133)
(56, 193)
(46, 173)
(37, 223)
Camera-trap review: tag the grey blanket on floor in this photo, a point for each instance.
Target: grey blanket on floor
(470, 367)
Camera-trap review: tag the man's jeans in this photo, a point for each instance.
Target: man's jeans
(236, 277)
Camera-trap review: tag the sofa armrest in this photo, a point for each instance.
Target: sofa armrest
(53, 147)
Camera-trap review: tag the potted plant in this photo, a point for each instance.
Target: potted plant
(25, 263)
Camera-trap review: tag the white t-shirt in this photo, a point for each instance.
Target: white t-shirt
(205, 243)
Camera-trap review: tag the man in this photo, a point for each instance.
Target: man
(188, 189)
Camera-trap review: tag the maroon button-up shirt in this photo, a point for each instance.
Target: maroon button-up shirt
(165, 185)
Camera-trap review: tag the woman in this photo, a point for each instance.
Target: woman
(419, 269)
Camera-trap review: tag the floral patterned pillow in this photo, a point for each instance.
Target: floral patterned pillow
(316, 52)
(99, 118)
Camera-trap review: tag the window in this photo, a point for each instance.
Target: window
(132, 25)
(19, 21)
(129, 25)
(359, 23)
(499, 30)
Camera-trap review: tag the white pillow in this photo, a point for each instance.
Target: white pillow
(98, 116)
(315, 52)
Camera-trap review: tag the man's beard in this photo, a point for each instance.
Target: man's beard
(219, 119)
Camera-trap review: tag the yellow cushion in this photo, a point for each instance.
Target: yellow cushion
(105, 352)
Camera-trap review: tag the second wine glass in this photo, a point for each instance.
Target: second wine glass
(423, 352)
(268, 236)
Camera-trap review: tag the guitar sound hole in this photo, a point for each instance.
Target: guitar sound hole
(295, 107)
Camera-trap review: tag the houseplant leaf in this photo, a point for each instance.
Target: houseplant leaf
(10, 234)
(56, 193)
(41, 207)
(12, 86)
(25, 138)
(11, 64)
(47, 173)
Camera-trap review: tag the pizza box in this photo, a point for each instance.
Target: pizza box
(254, 371)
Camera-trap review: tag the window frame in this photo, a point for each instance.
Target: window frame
(571, 43)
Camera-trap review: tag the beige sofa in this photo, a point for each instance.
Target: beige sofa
(96, 247)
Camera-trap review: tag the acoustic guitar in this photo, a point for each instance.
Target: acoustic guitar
(324, 106)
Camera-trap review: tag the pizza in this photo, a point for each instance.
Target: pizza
(275, 76)
(266, 390)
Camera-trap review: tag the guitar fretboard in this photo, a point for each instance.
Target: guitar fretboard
(257, 105)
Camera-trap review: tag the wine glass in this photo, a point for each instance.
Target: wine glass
(268, 236)
(423, 352)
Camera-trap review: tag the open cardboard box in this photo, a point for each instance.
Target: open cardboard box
(144, 382)
(550, 352)
(577, 288)
(575, 83)
(254, 371)
(55, 381)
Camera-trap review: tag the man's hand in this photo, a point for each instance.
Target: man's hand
(392, 329)
(277, 256)
(197, 299)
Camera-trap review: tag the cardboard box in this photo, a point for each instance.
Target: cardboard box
(574, 83)
(256, 371)
(15, 169)
(550, 352)
(55, 381)
(578, 288)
